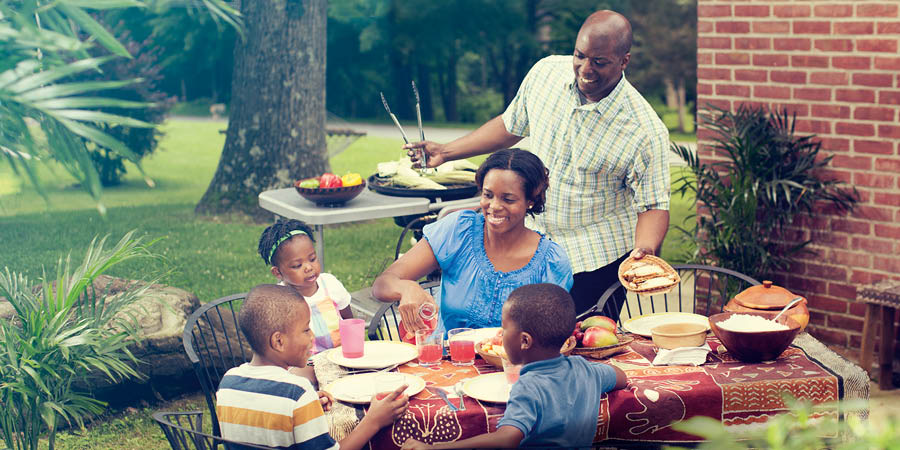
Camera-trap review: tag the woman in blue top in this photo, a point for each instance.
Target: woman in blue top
(482, 256)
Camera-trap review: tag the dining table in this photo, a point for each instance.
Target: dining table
(743, 396)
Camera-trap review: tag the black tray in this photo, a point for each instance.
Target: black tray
(453, 191)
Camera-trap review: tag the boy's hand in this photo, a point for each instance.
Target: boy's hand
(326, 399)
(412, 444)
(385, 411)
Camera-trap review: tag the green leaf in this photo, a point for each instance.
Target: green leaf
(51, 74)
(95, 29)
(87, 102)
(104, 4)
(51, 92)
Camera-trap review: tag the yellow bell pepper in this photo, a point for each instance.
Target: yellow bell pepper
(351, 179)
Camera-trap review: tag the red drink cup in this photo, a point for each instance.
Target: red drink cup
(462, 346)
(430, 345)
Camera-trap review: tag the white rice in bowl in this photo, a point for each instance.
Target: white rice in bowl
(750, 323)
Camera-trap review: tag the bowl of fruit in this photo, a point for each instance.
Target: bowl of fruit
(330, 189)
(596, 337)
(491, 349)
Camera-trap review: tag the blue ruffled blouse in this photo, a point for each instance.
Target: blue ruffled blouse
(472, 290)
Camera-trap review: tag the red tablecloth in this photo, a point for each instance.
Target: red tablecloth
(738, 394)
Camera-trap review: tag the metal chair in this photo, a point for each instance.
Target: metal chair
(703, 290)
(184, 431)
(213, 342)
(385, 322)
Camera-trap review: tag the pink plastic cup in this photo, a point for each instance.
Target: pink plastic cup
(352, 331)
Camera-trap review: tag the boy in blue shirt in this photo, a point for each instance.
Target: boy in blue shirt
(557, 398)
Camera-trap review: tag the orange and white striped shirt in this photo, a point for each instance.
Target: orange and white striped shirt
(267, 405)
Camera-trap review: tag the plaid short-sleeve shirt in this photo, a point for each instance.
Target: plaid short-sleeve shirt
(608, 161)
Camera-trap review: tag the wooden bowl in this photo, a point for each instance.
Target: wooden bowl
(676, 335)
(605, 352)
(755, 346)
(331, 196)
(497, 361)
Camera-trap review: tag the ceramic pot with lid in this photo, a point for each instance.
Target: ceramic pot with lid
(769, 297)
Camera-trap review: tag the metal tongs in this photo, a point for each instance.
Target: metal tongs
(418, 117)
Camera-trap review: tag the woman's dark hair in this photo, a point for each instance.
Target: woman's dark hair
(273, 233)
(528, 166)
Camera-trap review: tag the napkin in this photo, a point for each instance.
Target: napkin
(683, 356)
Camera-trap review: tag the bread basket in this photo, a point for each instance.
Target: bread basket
(668, 271)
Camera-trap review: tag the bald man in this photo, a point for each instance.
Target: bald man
(606, 150)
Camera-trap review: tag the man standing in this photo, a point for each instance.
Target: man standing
(604, 146)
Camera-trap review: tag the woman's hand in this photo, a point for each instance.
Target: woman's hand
(434, 153)
(411, 299)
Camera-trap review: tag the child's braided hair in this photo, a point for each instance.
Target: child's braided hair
(276, 232)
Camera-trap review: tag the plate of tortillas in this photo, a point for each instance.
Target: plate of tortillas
(648, 275)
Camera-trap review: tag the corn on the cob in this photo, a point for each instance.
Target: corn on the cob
(453, 177)
(415, 182)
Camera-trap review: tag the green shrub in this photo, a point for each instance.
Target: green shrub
(478, 105)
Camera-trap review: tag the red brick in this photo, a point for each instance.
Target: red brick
(705, 26)
(887, 231)
(889, 97)
(812, 27)
(866, 113)
(798, 109)
(823, 303)
(888, 28)
(833, 10)
(704, 58)
(719, 103)
(880, 246)
(837, 175)
(876, 147)
(821, 94)
(791, 10)
(816, 318)
(704, 89)
(858, 310)
(885, 63)
(751, 11)
(764, 91)
(851, 226)
(891, 265)
(790, 44)
(714, 42)
(812, 126)
(809, 61)
(771, 27)
(855, 129)
(888, 131)
(888, 165)
(829, 336)
(770, 60)
(833, 144)
(865, 277)
(874, 180)
(854, 95)
(834, 78)
(888, 199)
(728, 27)
(852, 162)
(835, 111)
(733, 90)
(845, 322)
(851, 62)
(750, 75)
(873, 79)
(752, 43)
(788, 76)
(851, 259)
(828, 272)
(833, 45)
(713, 10)
(833, 241)
(704, 73)
(732, 59)
(876, 10)
(874, 213)
(877, 45)
(854, 27)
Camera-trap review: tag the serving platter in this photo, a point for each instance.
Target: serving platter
(359, 389)
(453, 192)
(642, 325)
(491, 387)
(376, 355)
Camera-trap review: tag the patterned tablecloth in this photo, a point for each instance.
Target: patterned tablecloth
(741, 395)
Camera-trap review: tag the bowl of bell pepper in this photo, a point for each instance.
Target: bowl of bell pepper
(329, 189)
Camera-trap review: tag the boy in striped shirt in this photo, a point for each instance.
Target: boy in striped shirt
(261, 403)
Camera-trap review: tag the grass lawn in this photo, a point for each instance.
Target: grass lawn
(206, 256)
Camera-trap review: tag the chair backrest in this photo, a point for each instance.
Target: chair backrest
(703, 290)
(213, 343)
(384, 324)
(184, 431)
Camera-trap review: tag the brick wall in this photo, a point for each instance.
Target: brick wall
(837, 65)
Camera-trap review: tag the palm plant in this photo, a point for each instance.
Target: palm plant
(45, 116)
(59, 334)
(748, 200)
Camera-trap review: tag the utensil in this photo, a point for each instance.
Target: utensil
(443, 394)
(419, 118)
(787, 307)
(459, 391)
(394, 118)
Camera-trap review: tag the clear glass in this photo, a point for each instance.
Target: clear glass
(430, 345)
(462, 346)
(511, 371)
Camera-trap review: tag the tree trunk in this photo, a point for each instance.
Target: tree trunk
(276, 127)
(682, 110)
(424, 86)
(671, 95)
(449, 90)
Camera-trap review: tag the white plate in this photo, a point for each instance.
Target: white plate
(360, 388)
(376, 355)
(642, 325)
(491, 387)
(478, 334)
